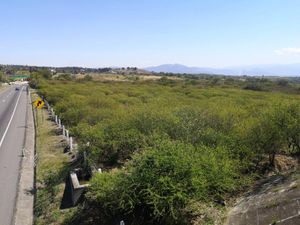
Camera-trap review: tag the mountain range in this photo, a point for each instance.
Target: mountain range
(252, 70)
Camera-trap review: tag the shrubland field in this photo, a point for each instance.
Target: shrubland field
(173, 151)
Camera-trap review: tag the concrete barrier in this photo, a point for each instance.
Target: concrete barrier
(76, 188)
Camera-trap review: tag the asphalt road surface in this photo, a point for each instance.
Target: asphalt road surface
(12, 133)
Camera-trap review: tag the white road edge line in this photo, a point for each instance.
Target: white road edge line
(12, 116)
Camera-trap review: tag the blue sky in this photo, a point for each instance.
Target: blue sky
(97, 33)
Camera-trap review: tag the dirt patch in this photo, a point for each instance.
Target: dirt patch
(124, 77)
(284, 163)
(205, 213)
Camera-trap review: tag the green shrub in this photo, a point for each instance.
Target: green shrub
(185, 143)
(158, 184)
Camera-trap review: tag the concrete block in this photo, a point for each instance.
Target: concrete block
(76, 188)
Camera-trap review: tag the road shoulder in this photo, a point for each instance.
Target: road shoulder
(25, 198)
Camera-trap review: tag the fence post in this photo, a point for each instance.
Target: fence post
(67, 135)
(64, 130)
(84, 159)
(47, 105)
(23, 152)
(56, 119)
(71, 144)
(59, 123)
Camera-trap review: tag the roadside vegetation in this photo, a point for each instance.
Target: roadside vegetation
(2, 77)
(52, 166)
(173, 150)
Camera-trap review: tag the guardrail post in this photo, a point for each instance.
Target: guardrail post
(64, 130)
(84, 159)
(23, 152)
(67, 135)
(56, 119)
(71, 144)
(59, 123)
(47, 105)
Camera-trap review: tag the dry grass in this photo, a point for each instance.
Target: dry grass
(125, 77)
(207, 214)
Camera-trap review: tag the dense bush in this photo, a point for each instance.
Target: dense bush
(171, 143)
(276, 130)
(2, 77)
(160, 182)
(64, 76)
(117, 119)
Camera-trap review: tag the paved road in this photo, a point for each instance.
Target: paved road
(12, 133)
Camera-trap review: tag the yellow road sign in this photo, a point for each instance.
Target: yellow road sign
(39, 103)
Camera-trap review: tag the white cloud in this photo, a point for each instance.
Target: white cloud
(288, 51)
